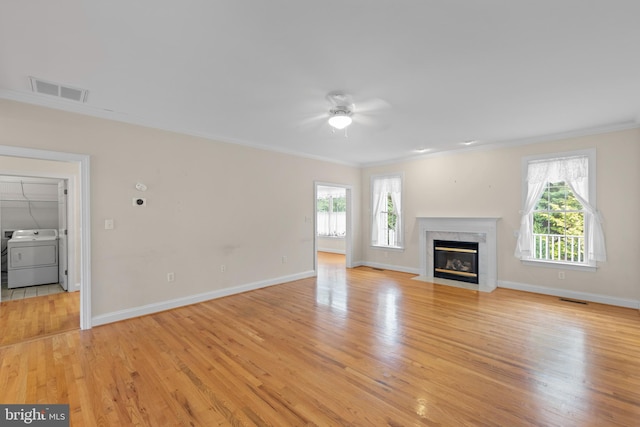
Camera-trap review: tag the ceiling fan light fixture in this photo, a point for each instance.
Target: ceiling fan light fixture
(340, 118)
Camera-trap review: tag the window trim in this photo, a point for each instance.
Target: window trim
(590, 154)
(561, 265)
(400, 231)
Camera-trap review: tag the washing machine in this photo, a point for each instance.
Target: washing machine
(32, 258)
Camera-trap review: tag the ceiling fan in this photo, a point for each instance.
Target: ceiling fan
(343, 111)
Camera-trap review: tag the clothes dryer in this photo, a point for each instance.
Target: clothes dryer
(32, 258)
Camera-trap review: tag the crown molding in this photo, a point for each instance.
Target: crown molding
(103, 113)
(608, 128)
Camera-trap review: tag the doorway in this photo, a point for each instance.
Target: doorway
(73, 169)
(333, 221)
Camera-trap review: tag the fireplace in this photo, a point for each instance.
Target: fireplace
(480, 230)
(456, 260)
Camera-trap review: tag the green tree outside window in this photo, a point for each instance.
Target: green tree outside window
(559, 215)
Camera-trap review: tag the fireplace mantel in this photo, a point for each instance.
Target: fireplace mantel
(480, 229)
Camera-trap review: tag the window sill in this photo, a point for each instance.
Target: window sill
(331, 237)
(560, 265)
(388, 248)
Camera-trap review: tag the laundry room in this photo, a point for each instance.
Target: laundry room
(30, 217)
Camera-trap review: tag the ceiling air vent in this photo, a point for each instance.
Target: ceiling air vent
(61, 91)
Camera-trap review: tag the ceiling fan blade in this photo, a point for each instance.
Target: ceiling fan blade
(312, 121)
(363, 120)
(372, 120)
(376, 105)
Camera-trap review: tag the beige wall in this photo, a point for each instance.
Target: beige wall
(488, 183)
(211, 203)
(208, 204)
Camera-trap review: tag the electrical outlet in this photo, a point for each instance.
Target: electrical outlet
(223, 268)
(284, 259)
(171, 277)
(108, 224)
(561, 275)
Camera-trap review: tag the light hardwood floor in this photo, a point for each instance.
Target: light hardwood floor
(352, 347)
(40, 316)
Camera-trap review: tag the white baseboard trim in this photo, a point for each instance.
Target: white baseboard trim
(564, 293)
(129, 313)
(390, 267)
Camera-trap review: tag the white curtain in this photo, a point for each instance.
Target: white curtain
(395, 192)
(594, 235)
(382, 187)
(330, 222)
(575, 172)
(524, 246)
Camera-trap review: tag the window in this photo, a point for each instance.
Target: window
(331, 211)
(559, 222)
(386, 209)
(558, 225)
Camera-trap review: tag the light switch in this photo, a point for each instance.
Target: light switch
(108, 224)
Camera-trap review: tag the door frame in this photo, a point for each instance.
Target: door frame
(63, 234)
(82, 188)
(348, 239)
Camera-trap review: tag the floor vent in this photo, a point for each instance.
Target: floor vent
(573, 301)
(377, 269)
(61, 91)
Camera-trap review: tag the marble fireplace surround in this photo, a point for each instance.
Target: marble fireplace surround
(465, 229)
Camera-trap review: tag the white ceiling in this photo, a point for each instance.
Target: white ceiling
(257, 72)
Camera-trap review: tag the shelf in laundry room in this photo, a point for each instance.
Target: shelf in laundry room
(22, 203)
(30, 200)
